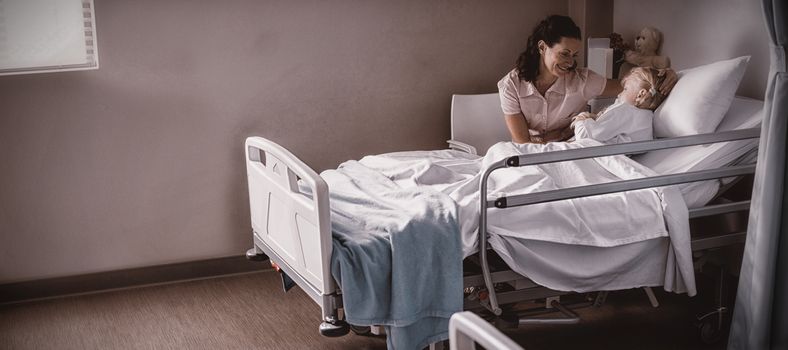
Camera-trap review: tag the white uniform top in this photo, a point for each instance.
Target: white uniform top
(554, 110)
(619, 123)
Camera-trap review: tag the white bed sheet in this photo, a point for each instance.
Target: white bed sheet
(589, 225)
(583, 267)
(554, 265)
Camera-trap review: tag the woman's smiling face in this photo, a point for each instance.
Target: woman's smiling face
(560, 59)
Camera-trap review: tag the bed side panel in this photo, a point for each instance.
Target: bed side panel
(285, 219)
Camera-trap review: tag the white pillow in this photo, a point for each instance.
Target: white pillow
(700, 98)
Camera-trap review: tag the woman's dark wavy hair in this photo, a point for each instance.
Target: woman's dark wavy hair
(551, 30)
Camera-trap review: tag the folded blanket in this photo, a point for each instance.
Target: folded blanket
(396, 255)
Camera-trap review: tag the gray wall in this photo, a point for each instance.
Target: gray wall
(595, 19)
(698, 32)
(141, 162)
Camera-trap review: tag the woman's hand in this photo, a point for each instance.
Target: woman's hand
(582, 116)
(669, 81)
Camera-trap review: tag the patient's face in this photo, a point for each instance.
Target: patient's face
(631, 90)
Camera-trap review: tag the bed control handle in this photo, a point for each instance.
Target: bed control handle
(333, 327)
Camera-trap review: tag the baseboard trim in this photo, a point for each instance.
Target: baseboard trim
(120, 279)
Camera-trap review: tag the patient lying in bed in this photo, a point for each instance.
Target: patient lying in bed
(630, 118)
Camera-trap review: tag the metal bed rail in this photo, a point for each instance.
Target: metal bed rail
(604, 188)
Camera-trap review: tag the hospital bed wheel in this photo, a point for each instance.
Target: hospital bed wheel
(711, 326)
(507, 320)
(252, 255)
(710, 331)
(336, 328)
(361, 330)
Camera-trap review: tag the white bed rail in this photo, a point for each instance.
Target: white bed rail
(466, 330)
(293, 226)
(592, 190)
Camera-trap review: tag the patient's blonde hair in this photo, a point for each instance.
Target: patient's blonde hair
(649, 80)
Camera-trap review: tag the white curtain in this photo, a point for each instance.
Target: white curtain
(760, 318)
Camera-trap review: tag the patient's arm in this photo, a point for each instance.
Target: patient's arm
(584, 115)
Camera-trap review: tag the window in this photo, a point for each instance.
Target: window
(38, 36)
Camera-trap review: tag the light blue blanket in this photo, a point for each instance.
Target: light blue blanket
(397, 255)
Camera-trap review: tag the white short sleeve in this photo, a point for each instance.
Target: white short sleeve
(508, 88)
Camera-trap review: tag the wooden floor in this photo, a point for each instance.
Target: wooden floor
(250, 311)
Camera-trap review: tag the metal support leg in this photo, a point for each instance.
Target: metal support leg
(651, 297)
(600, 298)
(570, 317)
(711, 324)
(492, 302)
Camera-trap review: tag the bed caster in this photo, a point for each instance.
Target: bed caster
(361, 330)
(332, 327)
(710, 326)
(253, 255)
(714, 324)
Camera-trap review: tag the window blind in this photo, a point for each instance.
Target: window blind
(38, 36)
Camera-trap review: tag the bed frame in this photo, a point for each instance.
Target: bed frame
(293, 229)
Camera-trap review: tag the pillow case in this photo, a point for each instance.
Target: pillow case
(700, 98)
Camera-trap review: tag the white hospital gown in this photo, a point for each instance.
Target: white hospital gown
(619, 123)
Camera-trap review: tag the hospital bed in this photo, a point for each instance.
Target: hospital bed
(293, 230)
